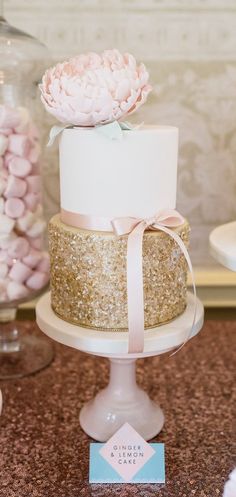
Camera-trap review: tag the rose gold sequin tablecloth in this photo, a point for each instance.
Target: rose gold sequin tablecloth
(44, 452)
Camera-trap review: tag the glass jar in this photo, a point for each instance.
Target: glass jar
(24, 264)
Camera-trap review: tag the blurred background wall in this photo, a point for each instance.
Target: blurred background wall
(189, 47)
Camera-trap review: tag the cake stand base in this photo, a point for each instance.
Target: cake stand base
(33, 355)
(21, 353)
(122, 400)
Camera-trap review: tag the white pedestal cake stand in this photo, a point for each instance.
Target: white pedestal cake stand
(223, 245)
(122, 400)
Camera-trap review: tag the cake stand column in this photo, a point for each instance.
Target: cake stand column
(121, 401)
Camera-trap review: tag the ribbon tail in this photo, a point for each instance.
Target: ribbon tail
(111, 130)
(125, 125)
(54, 132)
(135, 289)
(114, 130)
(180, 242)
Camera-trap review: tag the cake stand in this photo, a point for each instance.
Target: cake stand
(122, 400)
(223, 245)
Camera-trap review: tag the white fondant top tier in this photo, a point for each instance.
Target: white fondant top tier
(135, 176)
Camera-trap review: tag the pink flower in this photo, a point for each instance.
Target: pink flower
(95, 89)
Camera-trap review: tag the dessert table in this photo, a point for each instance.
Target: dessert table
(44, 451)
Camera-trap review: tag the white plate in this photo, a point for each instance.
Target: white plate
(223, 245)
(115, 344)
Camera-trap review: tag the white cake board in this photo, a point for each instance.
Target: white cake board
(223, 245)
(122, 400)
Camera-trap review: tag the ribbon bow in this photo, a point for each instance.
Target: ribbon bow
(135, 228)
(113, 130)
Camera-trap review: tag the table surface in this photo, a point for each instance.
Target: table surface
(44, 452)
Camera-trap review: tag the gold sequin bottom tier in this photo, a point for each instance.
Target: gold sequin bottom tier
(88, 276)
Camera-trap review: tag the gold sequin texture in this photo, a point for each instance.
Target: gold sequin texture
(88, 276)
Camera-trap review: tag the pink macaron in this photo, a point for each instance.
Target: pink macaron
(19, 248)
(19, 145)
(16, 290)
(37, 280)
(20, 167)
(16, 187)
(20, 272)
(33, 258)
(9, 117)
(14, 207)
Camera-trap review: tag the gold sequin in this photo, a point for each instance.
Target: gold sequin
(88, 276)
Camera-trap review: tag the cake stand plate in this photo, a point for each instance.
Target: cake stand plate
(223, 245)
(122, 400)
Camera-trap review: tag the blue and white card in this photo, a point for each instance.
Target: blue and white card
(127, 458)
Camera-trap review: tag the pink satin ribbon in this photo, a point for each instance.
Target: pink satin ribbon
(135, 228)
(84, 222)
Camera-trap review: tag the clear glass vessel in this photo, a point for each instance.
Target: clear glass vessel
(24, 264)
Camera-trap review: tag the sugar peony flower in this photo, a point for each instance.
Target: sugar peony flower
(95, 89)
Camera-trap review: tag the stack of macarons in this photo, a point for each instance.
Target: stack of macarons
(24, 265)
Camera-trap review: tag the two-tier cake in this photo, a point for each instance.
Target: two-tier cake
(106, 183)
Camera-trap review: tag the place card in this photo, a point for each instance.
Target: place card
(127, 458)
